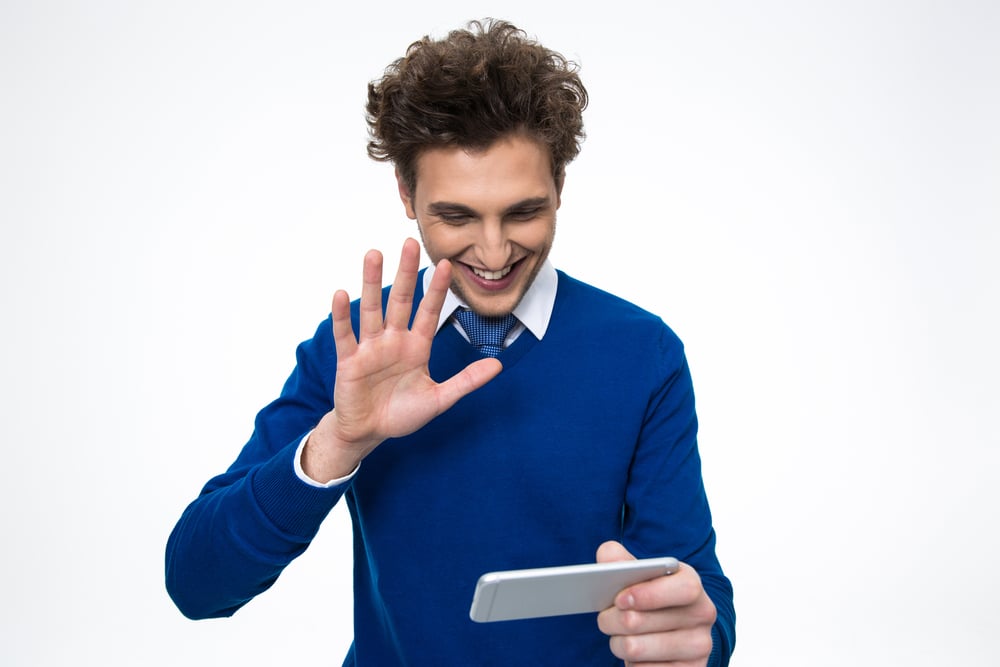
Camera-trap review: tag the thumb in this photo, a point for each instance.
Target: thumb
(613, 551)
(466, 381)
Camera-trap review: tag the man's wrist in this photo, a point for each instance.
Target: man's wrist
(325, 458)
(315, 467)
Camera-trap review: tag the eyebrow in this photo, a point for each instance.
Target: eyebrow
(438, 207)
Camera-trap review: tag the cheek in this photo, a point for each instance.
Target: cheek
(441, 241)
(536, 236)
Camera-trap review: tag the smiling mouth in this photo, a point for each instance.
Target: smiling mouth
(492, 275)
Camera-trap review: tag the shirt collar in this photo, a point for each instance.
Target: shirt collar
(534, 311)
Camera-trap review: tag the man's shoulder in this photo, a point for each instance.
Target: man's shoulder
(597, 319)
(598, 302)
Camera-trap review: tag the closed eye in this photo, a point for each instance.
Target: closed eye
(451, 213)
(524, 214)
(455, 218)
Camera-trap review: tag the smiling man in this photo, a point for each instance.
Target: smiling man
(491, 213)
(486, 413)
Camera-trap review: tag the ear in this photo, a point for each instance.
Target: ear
(560, 179)
(406, 196)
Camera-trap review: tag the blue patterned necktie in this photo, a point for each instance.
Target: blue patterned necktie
(486, 333)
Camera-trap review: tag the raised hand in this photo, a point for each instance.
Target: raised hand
(383, 388)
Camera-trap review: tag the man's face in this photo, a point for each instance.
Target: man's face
(491, 213)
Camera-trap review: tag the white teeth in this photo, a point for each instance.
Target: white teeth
(492, 275)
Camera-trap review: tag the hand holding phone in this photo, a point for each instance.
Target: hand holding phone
(557, 591)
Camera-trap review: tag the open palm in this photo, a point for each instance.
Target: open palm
(383, 388)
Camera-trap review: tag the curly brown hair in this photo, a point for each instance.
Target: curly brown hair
(470, 89)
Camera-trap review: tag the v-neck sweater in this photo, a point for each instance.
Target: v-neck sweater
(585, 436)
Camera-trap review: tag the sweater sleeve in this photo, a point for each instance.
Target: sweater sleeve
(666, 507)
(237, 536)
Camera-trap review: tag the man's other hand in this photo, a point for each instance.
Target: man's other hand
(664, 621)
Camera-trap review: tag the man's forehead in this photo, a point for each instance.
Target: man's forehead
(517, 163)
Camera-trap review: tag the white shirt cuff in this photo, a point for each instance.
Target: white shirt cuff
(301, 474)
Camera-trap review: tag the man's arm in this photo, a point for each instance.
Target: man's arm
(686, 618)
(247, 524)
(234, 540)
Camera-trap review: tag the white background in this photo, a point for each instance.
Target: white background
(807, 192)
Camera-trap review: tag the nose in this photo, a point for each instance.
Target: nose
(494, 246)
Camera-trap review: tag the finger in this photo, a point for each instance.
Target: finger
(612, 551)
(371, 296)
(343, 334)
(426, 321)
(682, 647)
(681, 589)
(472, 377)
(400, 304)
(614, 621)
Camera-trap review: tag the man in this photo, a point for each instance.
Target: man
(572, 430)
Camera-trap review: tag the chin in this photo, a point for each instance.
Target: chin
(487, 308)
(498, 303)
(490, 306)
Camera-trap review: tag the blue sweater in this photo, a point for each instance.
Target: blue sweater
(586, 436)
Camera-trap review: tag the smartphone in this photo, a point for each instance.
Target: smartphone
(557, 591)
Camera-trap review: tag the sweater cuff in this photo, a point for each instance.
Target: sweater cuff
(292, 505)
(719, 657)
(715, 658)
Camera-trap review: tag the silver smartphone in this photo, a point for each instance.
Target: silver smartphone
(557, 591)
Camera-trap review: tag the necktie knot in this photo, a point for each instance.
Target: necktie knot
(486, 333)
